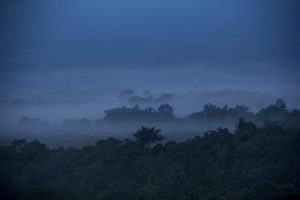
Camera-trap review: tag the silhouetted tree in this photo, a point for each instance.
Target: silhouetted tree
(281, 104)
(273, 112)
(166, 111)
(147, 136)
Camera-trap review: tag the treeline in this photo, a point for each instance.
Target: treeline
(164, 112)
(249, 163)
(210, 116)
(210, 113)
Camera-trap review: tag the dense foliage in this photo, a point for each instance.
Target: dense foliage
(164, 112)
(210, 114)
(250, 163)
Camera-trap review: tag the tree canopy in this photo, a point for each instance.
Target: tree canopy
(252, 162)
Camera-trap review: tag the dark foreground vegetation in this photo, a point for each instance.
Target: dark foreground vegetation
(250, 163)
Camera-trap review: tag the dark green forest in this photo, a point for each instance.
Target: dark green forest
(260, 160)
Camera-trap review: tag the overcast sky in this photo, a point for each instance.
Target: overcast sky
(204, 44)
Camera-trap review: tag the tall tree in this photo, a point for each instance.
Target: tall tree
(147, 136)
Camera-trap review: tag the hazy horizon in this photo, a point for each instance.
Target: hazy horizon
(71, 59)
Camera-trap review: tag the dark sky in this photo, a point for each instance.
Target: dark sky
(205, 44)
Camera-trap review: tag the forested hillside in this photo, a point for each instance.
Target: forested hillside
(250, 163)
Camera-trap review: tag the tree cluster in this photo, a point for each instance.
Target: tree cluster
(164, 112)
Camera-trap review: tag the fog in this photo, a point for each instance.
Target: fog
(72, 59)
(55, 95)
